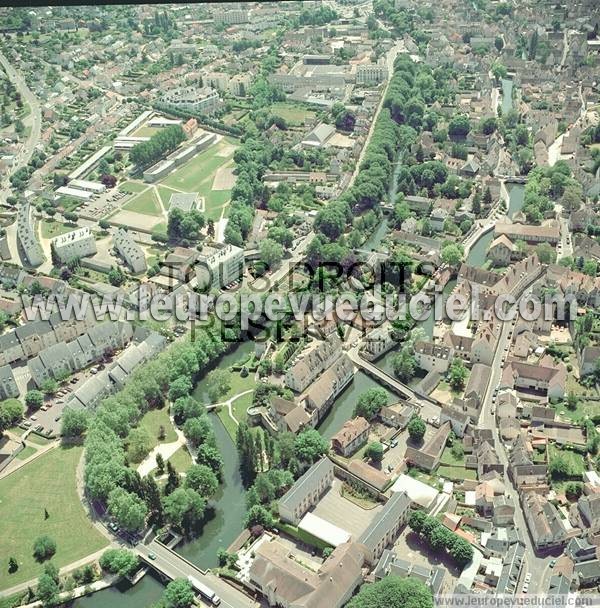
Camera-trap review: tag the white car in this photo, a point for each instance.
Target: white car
(525, 588)
(528, 577)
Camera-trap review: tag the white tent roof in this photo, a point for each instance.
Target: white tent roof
(323, 530)
(418, 492)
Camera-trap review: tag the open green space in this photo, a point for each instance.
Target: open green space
(450, 472)
(38, 439)
(46, 483)
(145, 203)
(197, 175)
(146, 132)
(132, 187)
(153, 420)
(25, 453)
(181, 460)
(52, 228)
(165, 194)
(293, 114)
(449, 459)
(574, 460)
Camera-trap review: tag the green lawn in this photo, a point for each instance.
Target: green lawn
(132, 187)
(181, 460)
(146, 131)
(46, 483)
(165, 194)
(25, 453)
(145, 203)
(153, 420)
(449, 459)
(197, 175)
(576, 461)
(52, 228)
(293, 114)
(450, 472)
(34, 438)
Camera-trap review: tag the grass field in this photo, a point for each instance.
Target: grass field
(25, 453)
(181, 460)
(146, 132)
(153, 420)
(46, 483)
(132, 187)
(450, 472)
(197, 175)
(575, 461)
(449, 459)
(293, 114)
(52, 228)
(38, 439)
(145, 203)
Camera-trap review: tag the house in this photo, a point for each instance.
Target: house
(323, 392)
(587, 574)
(501, 251)
(433, 357)
(285, 580)
(437, 218)
(503, 510)
(306, 491)
(385, 528)
(589, 513)
(352, 436)
(312, 363)
(546, 377)
(390, 564)
(428, 457)
(458, 420)
(588, 358)
(8, 385)
(397, 415)
(545, 524)
(530, 234)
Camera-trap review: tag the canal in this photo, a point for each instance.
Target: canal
(507, 93)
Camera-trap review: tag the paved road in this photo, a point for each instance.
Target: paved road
(172, 565)
(535, 564)
(34, 120)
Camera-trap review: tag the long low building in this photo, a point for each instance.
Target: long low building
(75, 244)
(530, 234)
(306, 492)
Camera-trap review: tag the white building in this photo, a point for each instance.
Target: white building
(202, 100)
(219, 266)
(233, 17)
(76, 244)
(129, 250)
(89, 186)
(371, 74)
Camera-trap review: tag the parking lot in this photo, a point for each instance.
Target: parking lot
(340, 512)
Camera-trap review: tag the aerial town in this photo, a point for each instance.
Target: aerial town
(396, 176)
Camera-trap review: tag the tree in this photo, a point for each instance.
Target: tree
(572, 401)
(13, 565)
(47, 590)
(184, 508)
(573, 490)
(139, 444)
(461, 551)
(310, 446)
(74, 422)
(452, 254)
(393, 592)
(179, 594)
(218, 382)
(459, 126)
(44, 547)
(559, 467)
(374, 451)
(271, 253)
(11, 411)
(258, 516)
(197, 430)
(211, 457)
(128, 509)
(416, 428)
(545, 253)
(202, 479)
(457, 374)
(34, 399)
(404, 365)
(119, 561)
(116, 276)
(49, 386)
(370, 403)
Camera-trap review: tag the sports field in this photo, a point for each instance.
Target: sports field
(145, 202)
(46, 483)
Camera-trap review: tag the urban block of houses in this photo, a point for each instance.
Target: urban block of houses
(428, 456)
(547, 377)
(545, 524)
(145, 346)
(306, 491)
(8, 385)
(65, 358)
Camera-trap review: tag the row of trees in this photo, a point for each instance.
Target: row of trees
(441, 538)
(160, 144)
